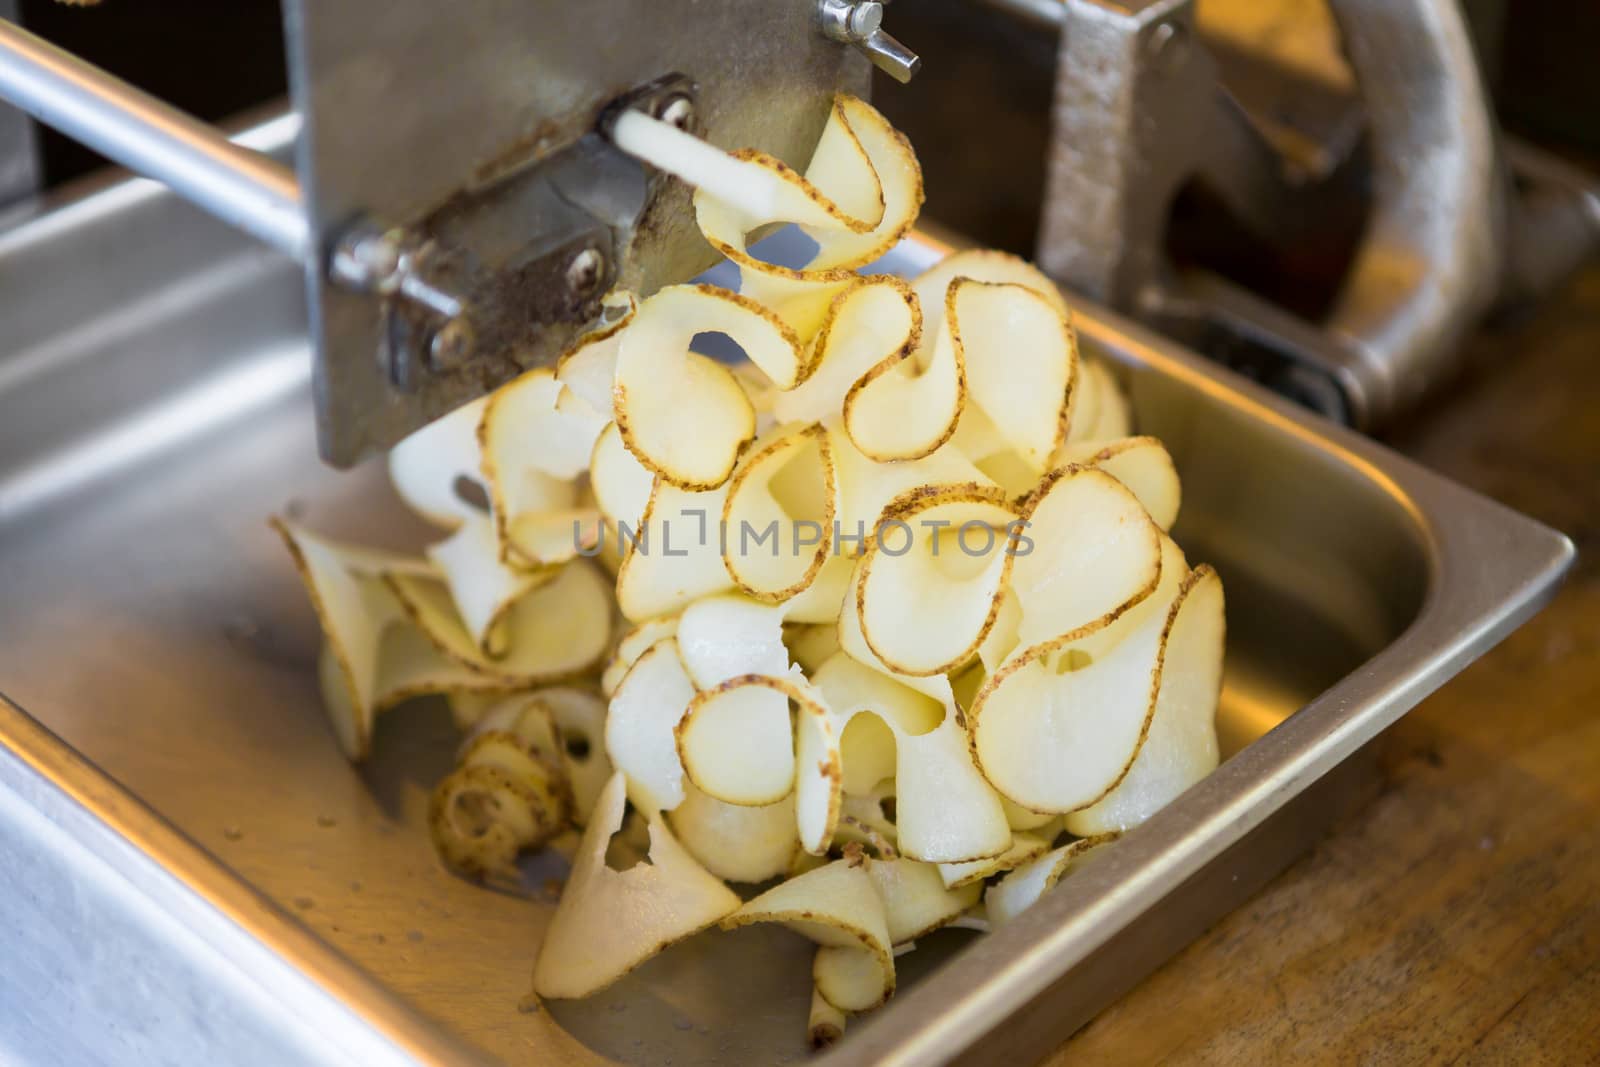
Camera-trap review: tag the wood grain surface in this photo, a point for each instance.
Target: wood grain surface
(1456, 919)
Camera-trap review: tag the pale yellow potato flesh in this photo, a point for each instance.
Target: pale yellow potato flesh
(900, 735)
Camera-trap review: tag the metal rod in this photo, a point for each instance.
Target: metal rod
(238, 186)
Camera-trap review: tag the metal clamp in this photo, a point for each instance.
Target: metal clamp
(1139, 111)
(454, 287)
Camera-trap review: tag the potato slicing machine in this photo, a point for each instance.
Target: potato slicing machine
(192, 870)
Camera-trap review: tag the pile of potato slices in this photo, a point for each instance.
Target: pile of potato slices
(883, 625)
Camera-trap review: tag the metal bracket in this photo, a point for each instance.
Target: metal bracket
(495, 270)
(471, 127)
(485, 278)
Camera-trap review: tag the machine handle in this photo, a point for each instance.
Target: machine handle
(241, 187)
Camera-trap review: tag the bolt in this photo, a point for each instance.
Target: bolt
(585, 271)
(865, 18)
(859, 23)
(1167, 45)
(848, 21)
(451, 345)
(380, 253)
(369, 260)
(677, 110)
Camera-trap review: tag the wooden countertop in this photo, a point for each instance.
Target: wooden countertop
(1457, 918)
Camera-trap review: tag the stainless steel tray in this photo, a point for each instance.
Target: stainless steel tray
(218, 884)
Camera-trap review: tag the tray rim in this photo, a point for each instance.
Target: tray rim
(967, 998)
(308, 978)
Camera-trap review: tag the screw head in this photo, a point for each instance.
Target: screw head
(369, 260)
(585, 271)
(451, 345)
(865, 19)
(677, 110)
(380, 253)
